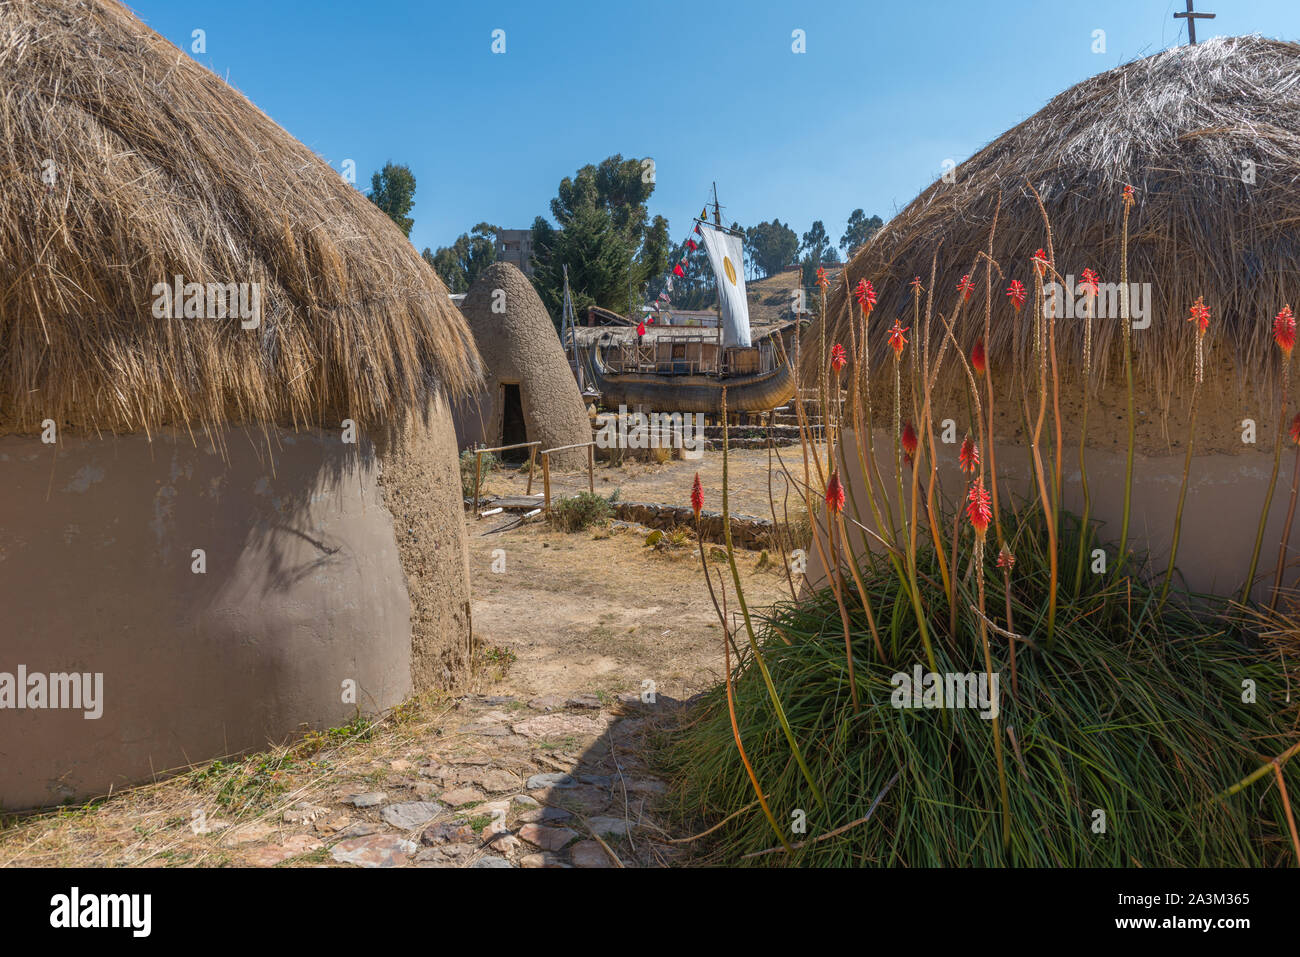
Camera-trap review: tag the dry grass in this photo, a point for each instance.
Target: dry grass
(1178, 126)
(164, 170)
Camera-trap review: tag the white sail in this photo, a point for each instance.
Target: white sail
(726, 256)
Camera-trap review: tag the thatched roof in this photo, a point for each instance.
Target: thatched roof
(164, 170)
(1179, 126)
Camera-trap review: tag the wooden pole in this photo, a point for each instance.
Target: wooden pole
(532, 457)
(546, 480)
(591, 469)
(478, 471)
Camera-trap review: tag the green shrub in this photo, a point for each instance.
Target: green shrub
(1135, 711)
(467, 459)
(580, 511)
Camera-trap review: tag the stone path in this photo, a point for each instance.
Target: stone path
(550, 782)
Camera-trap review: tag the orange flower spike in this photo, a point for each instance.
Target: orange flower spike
(916, 285)
(866, 296)
(1200, 315)
(896, 338)
(969, 456)
(835, 494)
(909, 441)
(821, 278)
(1016, 293)
(1006, 559)
(1129, 200)
(978, 358)
(697, 497)
(965, 287)
(1090, 283)
(1284, 331)
(979, 508)
(838, 357)
(1295, 429)
(1040, 263)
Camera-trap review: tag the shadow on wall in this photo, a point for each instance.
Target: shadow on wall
(225, 601)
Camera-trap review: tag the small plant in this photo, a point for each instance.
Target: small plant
(578, 512)
(467, 460)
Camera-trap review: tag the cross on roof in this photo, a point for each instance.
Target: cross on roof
(1191, 16)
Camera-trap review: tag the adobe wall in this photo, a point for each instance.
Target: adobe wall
(303, 590)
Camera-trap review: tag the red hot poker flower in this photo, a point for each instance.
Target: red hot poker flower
(697, 497)
(1200, 315)
(979, 509)
(835, 494)
(866, 295)
(1016, 292)
(965, 287)
(1128, 196)
(821, 278)
(896, 338)
(1295, 429)
(969, 456)
(1284, 331)
(916, 285)
(838, 358)
(1090, 284)
(978, 358)
(909, 442)
(1040, 263)
(1006, 559)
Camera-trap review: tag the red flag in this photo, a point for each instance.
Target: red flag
(690, 244)
(679, 271)
(640, 329)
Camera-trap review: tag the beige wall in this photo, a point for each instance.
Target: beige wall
(1224, 498)
(304, 588)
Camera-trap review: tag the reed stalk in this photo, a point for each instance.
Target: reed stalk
(1202, 319)
(1290, 517)
(1272, 484)
(1128, 378)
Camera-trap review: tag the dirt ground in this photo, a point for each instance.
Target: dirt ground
(540, 764)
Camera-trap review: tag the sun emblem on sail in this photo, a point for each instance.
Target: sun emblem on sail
(730, 269)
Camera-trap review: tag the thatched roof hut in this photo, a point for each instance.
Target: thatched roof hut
(1209, 138)
(530, 392)
(187, 511)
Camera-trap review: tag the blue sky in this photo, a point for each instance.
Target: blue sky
(712, 90)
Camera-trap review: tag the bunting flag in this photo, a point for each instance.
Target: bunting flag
(679, 271)
(640, 329)
(704, 214)
(690, 244)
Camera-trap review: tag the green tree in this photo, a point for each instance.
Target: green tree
(604, 234)
(771, 246)
(392, 189)
(860, 230)
(461, 263)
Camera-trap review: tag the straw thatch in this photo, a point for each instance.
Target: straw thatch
(1181, 127)
(165, 170)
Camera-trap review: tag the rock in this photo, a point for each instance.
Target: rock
(447, 833)
(247, 834)
(304, 813)
(376, 850)
(610, 826)
(470, 760)
(544, 815)
(523, 800)
(647, 786)
(596, 780)
(547, 837)
(492, 780)
(589, 854)
(551, 779)
(582, 800)
(584, 700)
(548, 702)
(401, 764)
(499, 700)
(459, 796)
(543, 860)
(361, 829)
(274, 854)
(411, 815)
(559, 725)
(332, 824)
(366, 799)
(490, 730)
(493, 862)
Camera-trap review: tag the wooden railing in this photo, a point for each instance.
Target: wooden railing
(532, 459)
(546, 468)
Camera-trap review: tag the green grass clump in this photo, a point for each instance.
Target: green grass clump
(467, 460)
(1136, 711)
(577, 512)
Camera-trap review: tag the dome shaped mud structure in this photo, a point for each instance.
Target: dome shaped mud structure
(531, 393)
(1208, 136)
(231, 507)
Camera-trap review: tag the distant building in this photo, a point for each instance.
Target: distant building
(515, 246)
